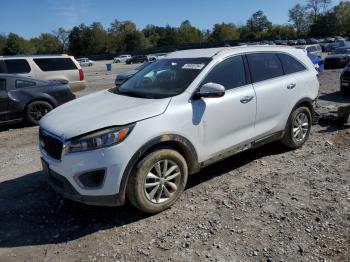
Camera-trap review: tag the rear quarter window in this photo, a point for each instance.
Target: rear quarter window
(17, 66)
(290, 64)
(55, 64)
(24, 83)
(264, 66)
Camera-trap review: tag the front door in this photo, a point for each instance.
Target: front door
(227, 122)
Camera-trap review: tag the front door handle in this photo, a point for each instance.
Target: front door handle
(246, 99)
(291, 86)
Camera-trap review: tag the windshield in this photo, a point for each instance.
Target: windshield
(342, 51)
(163, 78)
(143, 66)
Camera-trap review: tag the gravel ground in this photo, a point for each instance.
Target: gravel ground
(267, 204)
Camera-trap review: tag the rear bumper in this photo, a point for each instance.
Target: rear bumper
(63, 187)
(77, 86)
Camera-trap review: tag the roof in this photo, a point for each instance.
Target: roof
(211, 52)
(29, 56)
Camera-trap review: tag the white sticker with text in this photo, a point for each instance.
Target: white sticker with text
(193, 66)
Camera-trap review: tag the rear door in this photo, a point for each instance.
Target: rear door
(275, 92)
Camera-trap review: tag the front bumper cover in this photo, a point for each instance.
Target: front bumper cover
(63, 187)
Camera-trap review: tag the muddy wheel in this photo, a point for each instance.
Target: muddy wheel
(298, 128)
(36, 110)
(157, 181)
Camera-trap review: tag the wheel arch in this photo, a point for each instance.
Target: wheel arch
(172, 141)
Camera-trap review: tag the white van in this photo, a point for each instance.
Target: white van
(45, 67)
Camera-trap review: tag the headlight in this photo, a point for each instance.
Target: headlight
(103, 138)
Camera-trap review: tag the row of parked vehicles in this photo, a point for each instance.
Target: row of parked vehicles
(25, 98)
(128, 59)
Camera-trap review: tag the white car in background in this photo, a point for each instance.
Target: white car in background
(85, 62)
(121, 58)
(311, 49)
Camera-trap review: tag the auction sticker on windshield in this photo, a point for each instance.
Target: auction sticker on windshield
(193, 66)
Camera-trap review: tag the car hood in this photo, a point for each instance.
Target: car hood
(336, 56)
(100, 110)
(126, 74)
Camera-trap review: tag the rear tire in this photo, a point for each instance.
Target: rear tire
(36, 110)
(157, 181)
(298, 128)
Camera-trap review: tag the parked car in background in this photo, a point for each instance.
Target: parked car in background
(338, 59)
(121, 58)
(155, 57)
(137, 59)
(312, 41)
(123, 76)
(85, 62)
(292, 42)
(311, 49)
(177, 115)
(28, 99)
(345, 80)
(45, 67)
(301, 42)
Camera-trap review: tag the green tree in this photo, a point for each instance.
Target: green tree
(298, 16)
(62, 35)
(47, 44)
(76, 46)
(258, 23)
(188, 33)
(317, 7)
(3, 40)
(18, 45)
(224, 32)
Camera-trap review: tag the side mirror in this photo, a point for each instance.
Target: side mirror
(210, 90)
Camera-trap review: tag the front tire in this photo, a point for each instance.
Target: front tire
(298, 128)
(157, 181)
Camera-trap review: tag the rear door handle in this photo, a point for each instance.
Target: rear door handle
(246, 99)
(291, 86)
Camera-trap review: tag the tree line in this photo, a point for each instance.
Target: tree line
(315, 19)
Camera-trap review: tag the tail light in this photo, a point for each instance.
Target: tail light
(81, 75)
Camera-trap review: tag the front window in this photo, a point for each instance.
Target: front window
(164, 78)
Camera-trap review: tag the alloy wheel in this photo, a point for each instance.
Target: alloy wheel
(300, 127)
(162, 181)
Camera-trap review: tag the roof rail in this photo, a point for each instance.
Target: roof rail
(39, 55)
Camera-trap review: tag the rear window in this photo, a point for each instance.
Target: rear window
(24, 83)
(290, 64)
(55, 64)
(2, 85)
(264, 66)
(17, 66)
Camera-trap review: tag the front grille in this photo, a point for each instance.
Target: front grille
(51, 145)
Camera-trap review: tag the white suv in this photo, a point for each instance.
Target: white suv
(121, 58)
(45, 67)
(174, 117)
